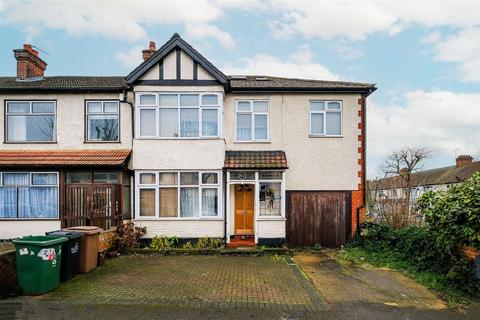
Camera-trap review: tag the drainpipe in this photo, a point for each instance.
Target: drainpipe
(225, 213)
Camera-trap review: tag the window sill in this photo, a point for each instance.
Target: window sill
(180, 139)
(254, 142)
(100, 142)
(29, 219)
(30, 142)
(323, 136)
(272, 218)
(178, 219)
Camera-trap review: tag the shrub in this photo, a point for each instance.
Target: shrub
(129, 236)
(163, 242)
(209, 243)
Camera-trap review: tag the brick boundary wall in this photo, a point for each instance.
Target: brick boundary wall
(8, 269)
(358, 196)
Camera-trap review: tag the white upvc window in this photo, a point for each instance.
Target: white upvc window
(102, 121)
(325, 118)
(252, 121)
(178, 194)
(29, 195)
(170, 115)
(30, 121)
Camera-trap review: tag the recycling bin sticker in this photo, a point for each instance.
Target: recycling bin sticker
(74, 249)
(47, 254)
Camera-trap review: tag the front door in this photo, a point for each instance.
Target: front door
(244, 214)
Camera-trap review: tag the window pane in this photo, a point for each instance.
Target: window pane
(189, 122)
(44, 179)
(210, 99)
(244, 127)
(147, 202)
(317, 106)
(260, 106)
(110, 107)
(168, 178)
(30, 128)
(188, 202)
(168, 202)
(168, 100)
(209, 202)
(8, 203)
(147, 123)
(147, 99)
(209, 178)
(242, 175)
(43, 107)
(102, 127)
(333, 123)
(316, 123)
(105, 177)
(78, 177)
(261, 129)
(147, 178)
(18, 107)
(168, 122)
(189, 100)
(269, 198)
(94, 107)
(209, 122)
(189, 178)
(243, 106)
(334, 105)
(38, 202)
(270, 175)
(16, 179)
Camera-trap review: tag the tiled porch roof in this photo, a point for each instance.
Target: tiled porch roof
(63, 158)
(255, 160)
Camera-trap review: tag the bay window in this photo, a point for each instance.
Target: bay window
(28, 195)
(252, 120)
(325, 118)
(30, 121)
(179, 115)
(185, 194)
(102, 119)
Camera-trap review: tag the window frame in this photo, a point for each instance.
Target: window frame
(157, 187)
(200, 107)
(324, 113)
(86, 114)
(30, 185)
(252, 114)
(5, 122)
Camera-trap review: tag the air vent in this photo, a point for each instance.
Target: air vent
(262, 79)
(238, 78)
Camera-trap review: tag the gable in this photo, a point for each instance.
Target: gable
(176, 62)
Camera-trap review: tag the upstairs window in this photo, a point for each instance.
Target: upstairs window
(30, 121)
(252, 120)
(326, 118)
(102, 121)
(174, 115)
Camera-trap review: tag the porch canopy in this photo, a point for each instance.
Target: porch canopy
(67, 158)
(255, 160)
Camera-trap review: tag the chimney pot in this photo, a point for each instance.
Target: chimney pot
(152, 45)
(463, 160)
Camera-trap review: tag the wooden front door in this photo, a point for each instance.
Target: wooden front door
(244, 213)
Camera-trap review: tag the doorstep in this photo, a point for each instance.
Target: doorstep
(241, 242)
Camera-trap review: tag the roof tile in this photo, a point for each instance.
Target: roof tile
(255, 160)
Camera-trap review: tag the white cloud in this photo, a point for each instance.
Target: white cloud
(130, 58)
(299, 65)
(347, 50)
(201, 30)
(443, 121)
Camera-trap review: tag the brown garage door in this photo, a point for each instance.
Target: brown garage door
(318, 217)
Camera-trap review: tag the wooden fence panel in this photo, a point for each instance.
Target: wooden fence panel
(318, 217)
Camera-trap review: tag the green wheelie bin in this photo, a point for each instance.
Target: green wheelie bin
(38, 263)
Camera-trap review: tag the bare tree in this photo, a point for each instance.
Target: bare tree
(400, 165)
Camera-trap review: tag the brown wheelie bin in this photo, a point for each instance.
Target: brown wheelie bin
(87, 260)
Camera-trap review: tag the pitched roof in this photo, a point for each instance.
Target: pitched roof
(268, 83)
(174, 42)
(438, 176)
(255, 160)
(67, 158)
(65, 83)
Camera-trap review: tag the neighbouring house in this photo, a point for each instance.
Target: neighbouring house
(439, 179)
(181, 148)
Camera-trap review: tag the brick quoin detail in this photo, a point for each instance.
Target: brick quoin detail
(358, 196)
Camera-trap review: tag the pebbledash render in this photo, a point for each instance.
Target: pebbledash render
(181, 148)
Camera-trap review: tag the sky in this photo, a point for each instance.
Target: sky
(424, 56)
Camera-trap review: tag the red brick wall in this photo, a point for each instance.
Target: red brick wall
(358, 196)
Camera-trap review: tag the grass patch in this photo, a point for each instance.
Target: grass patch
(435, 281)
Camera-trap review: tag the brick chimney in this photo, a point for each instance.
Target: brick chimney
(147, 53)
(463, 160)
(29, 64)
